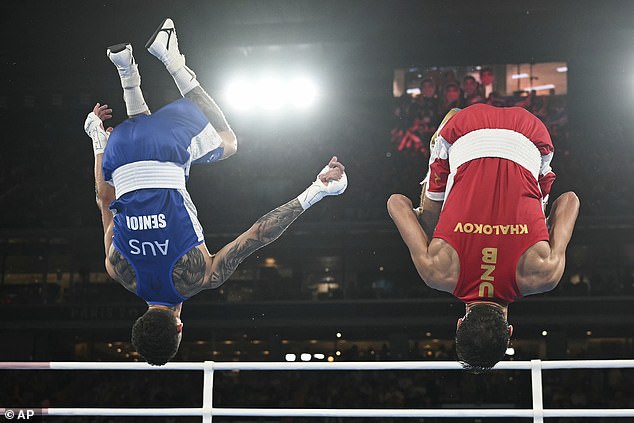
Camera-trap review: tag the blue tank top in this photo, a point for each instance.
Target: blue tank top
(152, 230)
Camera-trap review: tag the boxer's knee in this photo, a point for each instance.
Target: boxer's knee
(104, 196)
(398, 200)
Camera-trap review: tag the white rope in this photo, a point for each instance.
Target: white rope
(536, 367)
(335, 412)
(350, 365)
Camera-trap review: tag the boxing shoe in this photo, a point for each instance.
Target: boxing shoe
(163, 45)
(121, 56)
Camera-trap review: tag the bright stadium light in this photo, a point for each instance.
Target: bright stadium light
(271, 93)
(290, 357)
(240, 94)
(302, 92)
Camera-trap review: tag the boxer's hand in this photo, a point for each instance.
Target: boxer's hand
(102, 112)
(333, 177)
(334, 171)
(332, 180)
(94, 127)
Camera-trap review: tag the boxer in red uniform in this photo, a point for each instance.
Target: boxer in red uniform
(480, 232)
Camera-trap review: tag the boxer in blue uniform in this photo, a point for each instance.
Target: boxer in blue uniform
(153, 240)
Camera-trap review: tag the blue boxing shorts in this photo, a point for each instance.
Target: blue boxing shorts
(147, 159)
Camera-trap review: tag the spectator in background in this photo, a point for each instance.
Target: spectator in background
(471, 91)
(451, 98)
(449, 77)
(425, 109)
(487, 80)
(417, 121)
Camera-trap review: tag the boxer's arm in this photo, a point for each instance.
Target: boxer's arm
(540, 269)
(417, 241)
(331, 181)
(428, 212)
(217, 119)
(561, 223)
(105, 194)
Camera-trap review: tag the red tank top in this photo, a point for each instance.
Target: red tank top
(490, 217)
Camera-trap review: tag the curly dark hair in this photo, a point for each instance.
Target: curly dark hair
(155, 336)
(482, 338)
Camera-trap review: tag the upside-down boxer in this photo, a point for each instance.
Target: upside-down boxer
(480, 232)
(153, 240)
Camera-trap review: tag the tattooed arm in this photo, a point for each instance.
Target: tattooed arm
(266, 230)
(332, 180)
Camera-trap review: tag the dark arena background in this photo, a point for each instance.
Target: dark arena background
(339, 285)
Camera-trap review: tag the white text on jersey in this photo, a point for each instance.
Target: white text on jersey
(152, 221)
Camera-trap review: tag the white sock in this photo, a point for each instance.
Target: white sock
(134, 101)
(185, 79)
(132, 95)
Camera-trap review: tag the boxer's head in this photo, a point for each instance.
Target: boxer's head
(482, 336)
(157, 334)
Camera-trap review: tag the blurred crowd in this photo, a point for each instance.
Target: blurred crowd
(419, 113)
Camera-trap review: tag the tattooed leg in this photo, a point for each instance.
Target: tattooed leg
(189, 273)
(209, 108)
(124, 271)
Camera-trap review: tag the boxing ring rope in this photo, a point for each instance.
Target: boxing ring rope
(207, 411)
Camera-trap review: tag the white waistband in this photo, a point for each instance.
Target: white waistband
(147, 174)
(502, 143)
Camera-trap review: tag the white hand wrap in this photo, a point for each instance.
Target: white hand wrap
(318, 190)
(94, 128)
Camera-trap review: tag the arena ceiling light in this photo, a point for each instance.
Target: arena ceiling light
(301, 92)
(271, 93)
(240, 95)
